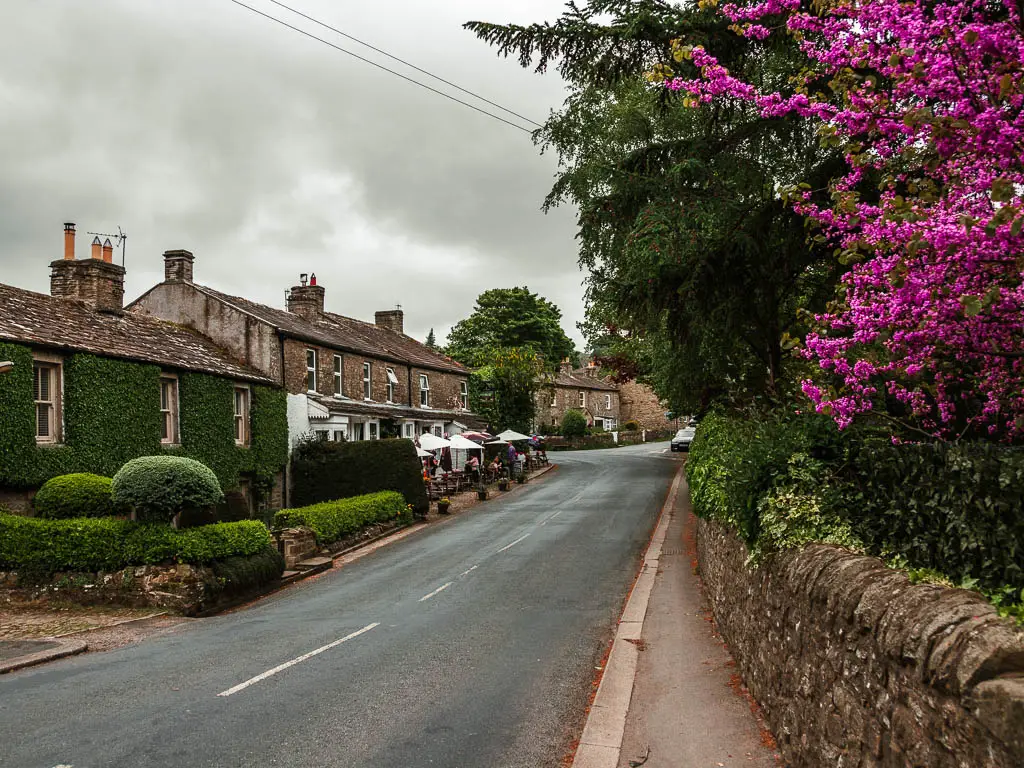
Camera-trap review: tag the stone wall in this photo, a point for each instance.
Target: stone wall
(554, 400)
(640, 404)
(854, 666)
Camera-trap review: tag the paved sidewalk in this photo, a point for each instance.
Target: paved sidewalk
(689, 708)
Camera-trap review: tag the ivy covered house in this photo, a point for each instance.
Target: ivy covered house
(345, 378)
(92, 386)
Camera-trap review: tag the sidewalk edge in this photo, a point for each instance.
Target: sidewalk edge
(605, 728)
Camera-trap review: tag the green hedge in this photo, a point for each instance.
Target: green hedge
(326, 470)
(109, 544)
(958, 509)
(159, 487)
(111, 415)
(77, 495)
(241, 574)
(333, 520)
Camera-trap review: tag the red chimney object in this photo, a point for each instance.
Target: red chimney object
(312, 279)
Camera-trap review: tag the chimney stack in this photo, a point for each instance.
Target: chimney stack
(96, 282)
(69, 240)
(565, 367)
(393, 319)
(178, 266)
(307, 299)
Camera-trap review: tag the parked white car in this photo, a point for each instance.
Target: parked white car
(683, 438)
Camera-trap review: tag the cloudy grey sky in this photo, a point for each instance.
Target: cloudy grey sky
(196, 124)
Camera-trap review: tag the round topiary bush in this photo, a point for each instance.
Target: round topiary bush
(77, 495)
(631, 426)
(574, 424)
(160, 487)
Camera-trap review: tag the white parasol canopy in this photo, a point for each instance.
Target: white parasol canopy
(511, 434)
(460, 443)
(497, 441)
(429, 442)
(423, 454)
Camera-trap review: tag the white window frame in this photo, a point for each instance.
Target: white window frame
(607, 402)
(424, 391)
(170, 411)
(358, 430)
(311, 369)
(338, 432)
(339, 381)
(243, 416)
(410, 429)
(372, 430)
(367, 380)
(583, 399)
(53, 403)
(554, 398)
(390, 380)
(464, 395)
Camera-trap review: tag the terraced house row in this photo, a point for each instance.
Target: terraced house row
(87, 383)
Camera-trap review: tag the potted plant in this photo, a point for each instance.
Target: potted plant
(481, 493)
(442, 505)
(503, 484)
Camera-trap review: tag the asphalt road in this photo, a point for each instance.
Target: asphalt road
(477, 644)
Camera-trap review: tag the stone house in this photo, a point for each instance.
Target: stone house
(86, 386)
(642, 405)
(345, 378)
(581, 390)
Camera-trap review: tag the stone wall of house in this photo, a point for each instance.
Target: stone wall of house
(352, 373)
(444, 389)
(568, 398)
(640, 404)
(249, 340)
(854, 666)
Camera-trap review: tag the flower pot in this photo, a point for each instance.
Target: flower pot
(503, 485)
(442, 509)
(482, 495)
(521, 479)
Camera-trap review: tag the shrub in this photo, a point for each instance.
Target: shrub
(159, 487)
(109, 544)
(76, 495)
(332, 520)
(240, 574)
(574, 423)
(631, 426)
(326, 471)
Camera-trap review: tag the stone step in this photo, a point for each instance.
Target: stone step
(289, 574)
(314, 562)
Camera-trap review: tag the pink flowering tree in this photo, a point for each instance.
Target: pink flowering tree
(925, 98)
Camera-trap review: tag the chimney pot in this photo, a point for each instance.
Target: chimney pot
(306, 300)
(312, 279)
(108, 251)
(69, 240)
(303, 279)
(97, 249)
(178, 266)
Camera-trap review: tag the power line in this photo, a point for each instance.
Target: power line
(406, 63)
(379, 66)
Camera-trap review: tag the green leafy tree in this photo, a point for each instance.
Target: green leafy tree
(697, 271)
(503, 391)
(431, 342)
(510, 318)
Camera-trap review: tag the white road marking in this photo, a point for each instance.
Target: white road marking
(553, 517)
(297, 660)
(466, 573)
(509, 546)
(442, 588)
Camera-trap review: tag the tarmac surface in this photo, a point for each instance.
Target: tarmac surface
(469, 644)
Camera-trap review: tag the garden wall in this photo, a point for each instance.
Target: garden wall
(855, 666)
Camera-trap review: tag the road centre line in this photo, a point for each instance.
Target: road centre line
(442, 588)
(296, 660)
(466, 573)
(509, 546)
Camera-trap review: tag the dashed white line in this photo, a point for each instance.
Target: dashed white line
(442, 588)
(509, 546)
(466, 573)
(297, 660)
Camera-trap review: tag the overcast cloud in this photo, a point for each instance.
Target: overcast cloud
(196, 124)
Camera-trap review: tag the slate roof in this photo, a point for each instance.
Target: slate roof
(344, 333)
(344, 405)
(38, 319)
(579, 379)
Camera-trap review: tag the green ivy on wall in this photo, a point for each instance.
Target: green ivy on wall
(111, 415)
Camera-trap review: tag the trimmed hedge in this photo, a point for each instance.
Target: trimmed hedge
(956, 508)
(110, 544)
(77, 495)
(325, 471)
(333, 520)
(159, 487)
(241, 574)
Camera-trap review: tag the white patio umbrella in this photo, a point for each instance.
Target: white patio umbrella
(460, 443)
(423, 454)
(497, 441)
(511, 434)
(430, 442)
